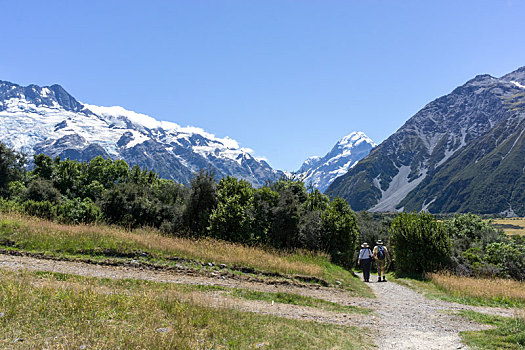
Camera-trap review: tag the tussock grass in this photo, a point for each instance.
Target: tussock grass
(505, 291)
(468, 290)
(49, 310)
(34, 234)
(102, 242)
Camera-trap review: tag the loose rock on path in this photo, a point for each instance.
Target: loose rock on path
(408, 320)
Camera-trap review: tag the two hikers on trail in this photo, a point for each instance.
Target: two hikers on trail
(381, 255)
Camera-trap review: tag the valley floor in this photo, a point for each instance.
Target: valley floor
(402, 318)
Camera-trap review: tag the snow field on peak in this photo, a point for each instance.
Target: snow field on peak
(30, 126)
(117, 112)
(322, 171)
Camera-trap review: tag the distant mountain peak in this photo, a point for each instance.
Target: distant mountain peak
(322, 171)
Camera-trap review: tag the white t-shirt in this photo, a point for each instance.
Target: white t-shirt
(365, 253)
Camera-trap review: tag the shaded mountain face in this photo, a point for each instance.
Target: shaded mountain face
(463, 152)
(322, 171)
(48, 120)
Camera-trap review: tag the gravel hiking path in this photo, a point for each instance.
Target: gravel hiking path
(212, 299)
(408, 320)
(402, 319)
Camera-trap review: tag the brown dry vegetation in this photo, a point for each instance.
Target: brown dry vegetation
(502, 289)
(152, 241)
(518, 222)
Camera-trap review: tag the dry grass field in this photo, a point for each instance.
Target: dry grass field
(511, 226)
(483, 288)
(32, 233)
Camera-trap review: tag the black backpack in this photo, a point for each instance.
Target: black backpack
(380, 252)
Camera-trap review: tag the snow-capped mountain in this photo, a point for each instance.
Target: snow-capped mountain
(48, 120)
(463, 152)
(322, 171)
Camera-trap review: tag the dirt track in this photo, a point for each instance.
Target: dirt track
(403, 318)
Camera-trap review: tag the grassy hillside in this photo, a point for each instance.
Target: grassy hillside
(101, 243)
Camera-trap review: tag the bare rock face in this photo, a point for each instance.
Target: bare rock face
(48, 120)
(463, 152)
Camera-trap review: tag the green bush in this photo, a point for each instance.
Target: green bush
(231, 219)
(43, 209)
(202, 200)
(340, 232)
(40, 190)
(9, 206)
(509, 257)
(76, 211)
(420, 243)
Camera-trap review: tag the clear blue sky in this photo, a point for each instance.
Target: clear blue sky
(285, 78)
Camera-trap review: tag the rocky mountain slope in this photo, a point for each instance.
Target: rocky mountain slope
(49, 120)
(462, 152)
(322, 171)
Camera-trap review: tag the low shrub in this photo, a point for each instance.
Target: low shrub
(43, 209)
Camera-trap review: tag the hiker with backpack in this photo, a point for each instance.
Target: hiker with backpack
(365, 260)
(381, 255)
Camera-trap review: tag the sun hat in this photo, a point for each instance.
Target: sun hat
(379, 242)
(364, 245)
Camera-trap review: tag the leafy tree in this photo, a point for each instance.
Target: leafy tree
(230, 219)
(373, 226)
(40, 190)
(173, 198)
(420, 243)
(467, 230)
(264, 200)
(44, 167)
(131, 205)
(470, 235)
(106, 172)
(339, 232)
(12, 168)
(285, 220)
(67, 177)
(311, 223)
(202, 201)
(311, 230)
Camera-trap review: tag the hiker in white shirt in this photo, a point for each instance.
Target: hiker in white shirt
(365, 260)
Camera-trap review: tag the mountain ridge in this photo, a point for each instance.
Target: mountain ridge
(392, 175)
(49, 120)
